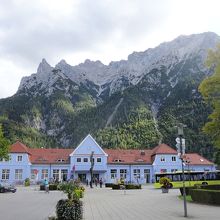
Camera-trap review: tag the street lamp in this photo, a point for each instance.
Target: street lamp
(181, 152)
(91, 168)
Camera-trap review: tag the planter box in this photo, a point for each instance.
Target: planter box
(165, 190)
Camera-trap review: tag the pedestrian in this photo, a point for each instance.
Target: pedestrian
(87, 182)
(46, 185)
(100, 183)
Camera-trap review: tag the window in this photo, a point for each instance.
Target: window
(33, 174)
(78, 160)
(18, 174)
(113, 174)
(60, 160)
(85, 159)
(44, 174)
(163, 170)
(136, 173)
(99, 160)
(123, 174)
(19, 158)
(5, 174)
(173, 158)
(56, 174)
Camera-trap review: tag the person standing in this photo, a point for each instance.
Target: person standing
(100, 183)
(46, 184)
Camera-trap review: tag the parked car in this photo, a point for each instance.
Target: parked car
(7, 188)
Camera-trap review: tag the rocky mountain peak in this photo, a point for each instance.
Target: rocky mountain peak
(44, 67)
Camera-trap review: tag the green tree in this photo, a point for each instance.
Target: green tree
(210, 90)
(4, 145)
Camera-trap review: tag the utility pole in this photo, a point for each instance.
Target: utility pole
(181, 152)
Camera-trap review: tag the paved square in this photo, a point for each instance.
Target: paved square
(28, 203)
(145, 204)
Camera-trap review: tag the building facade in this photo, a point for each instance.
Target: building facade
(136, 166)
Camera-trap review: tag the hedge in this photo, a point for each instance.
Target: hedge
(210, 187)
(109, 184)
(205, 196)
(127, 186)
(51, 187)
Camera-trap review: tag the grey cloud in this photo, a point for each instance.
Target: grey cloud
(31, 33)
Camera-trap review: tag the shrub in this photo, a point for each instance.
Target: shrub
(211, 187)
(116, 186)
(109, 185)
(205, 196)
(127, 186)
(53, 187)
(131, 186)
(27, 182)
(165, 182)
(79, 193)
(69, 210)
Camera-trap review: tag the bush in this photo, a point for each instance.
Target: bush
(131, 186)
(127, 186)
(27, 182)
(51, 187)
(79, 193)
(69, 210)
(165, 182)
(109, 185)
(205, 196)
(211, 187)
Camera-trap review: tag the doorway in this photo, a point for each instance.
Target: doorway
(82, 177)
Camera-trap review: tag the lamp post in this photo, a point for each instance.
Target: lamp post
(181, 151)
(91, 168)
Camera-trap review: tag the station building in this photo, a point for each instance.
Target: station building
(136, 166)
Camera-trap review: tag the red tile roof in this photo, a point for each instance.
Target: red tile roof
(163, 149)
(196, 159)
(50, 156)
(115, 156)
(118, 156)
(19, 147)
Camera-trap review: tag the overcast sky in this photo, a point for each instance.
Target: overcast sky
(105, 30)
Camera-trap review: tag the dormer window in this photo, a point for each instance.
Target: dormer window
(19, 158)
(60, 160)
(162, 159)
(173, 158)
(78, 160)
(117, 160)
(99, 160)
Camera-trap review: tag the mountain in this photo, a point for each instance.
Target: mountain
(131, 103)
